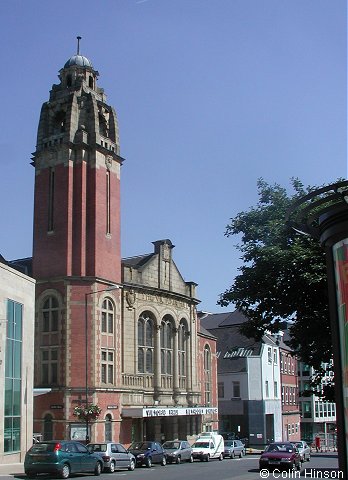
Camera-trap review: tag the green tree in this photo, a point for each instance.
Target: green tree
(283, 276)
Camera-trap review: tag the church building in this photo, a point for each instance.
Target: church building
(120, 336)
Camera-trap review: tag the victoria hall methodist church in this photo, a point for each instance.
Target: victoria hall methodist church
(120, 334)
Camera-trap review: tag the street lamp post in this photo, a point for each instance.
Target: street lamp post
(111, 287)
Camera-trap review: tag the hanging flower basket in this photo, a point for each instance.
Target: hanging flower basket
(89, 412)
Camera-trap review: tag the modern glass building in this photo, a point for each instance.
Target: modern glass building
(17, 294)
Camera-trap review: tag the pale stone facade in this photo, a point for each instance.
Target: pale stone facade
(154, 288)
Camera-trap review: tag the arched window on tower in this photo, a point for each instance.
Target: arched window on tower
(90, 82)
(51, 189)
(59, 122)
(167, 345)
(207, 375)
(108, 202)
(145, 343)
(107, 316)
(103, 125)
(49, 333)
(108, 428)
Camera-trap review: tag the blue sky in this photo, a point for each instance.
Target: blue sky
(210, 95)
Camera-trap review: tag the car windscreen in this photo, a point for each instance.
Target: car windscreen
(228, 443)
(97, 447)
(140, 446)
(43, 447)
(201, 445)
(279, 448)
(171, 445)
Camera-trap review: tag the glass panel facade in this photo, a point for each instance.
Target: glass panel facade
(13, 362)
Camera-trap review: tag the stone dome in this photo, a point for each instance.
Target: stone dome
(78, 61)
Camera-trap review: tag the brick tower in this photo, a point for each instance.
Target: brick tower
(76, 256)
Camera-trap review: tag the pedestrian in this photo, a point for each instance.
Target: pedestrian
(317, 443)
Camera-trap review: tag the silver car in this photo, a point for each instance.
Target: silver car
(304, 450)
(178, 451)
(114, 455)
(234, 448)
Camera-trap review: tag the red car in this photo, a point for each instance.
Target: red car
(280, 456)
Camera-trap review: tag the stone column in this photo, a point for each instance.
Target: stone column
(176, 386)
(175, 427)
(157, 363)
(157, 429)
(189, 362)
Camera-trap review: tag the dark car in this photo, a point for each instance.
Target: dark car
(280, 456)
(61, 457)
(234, 448)
(147, 453)
(114, 455)
(178, 451)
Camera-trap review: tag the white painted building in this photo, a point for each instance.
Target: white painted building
(249, 387)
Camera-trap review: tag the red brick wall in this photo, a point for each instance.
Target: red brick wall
(290, 408)
(79, 244)
(202, 342)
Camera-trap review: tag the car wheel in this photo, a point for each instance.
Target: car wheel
(191, 459)
(131, 466)
(97, 469)
(148, 462)
(112, 467)
(232, 455)
(207, 458)
(221, 457)
(65, 471)
(178, 459)
(164, 461)
(308, 458)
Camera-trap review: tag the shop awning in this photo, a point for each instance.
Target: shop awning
(148, 412)
(41, 391)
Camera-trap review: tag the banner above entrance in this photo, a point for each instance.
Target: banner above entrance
(167, 412)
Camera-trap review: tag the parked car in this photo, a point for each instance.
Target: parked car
(304, 450)
(234, 448)
(281, 456)
(61, 457)
(147, 453)
(178, 451)
(114, 455)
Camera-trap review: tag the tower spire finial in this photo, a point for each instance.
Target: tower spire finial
(78, 45)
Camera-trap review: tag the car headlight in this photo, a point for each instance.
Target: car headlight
(141, 455)
(286, 459)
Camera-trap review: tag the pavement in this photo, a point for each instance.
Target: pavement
(18, 468)
(11, 469)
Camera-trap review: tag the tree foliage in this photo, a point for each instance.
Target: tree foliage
(283, 276)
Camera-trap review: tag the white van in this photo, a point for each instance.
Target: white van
(208, 445)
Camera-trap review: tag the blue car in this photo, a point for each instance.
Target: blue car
(147, 453)
(61, 457)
